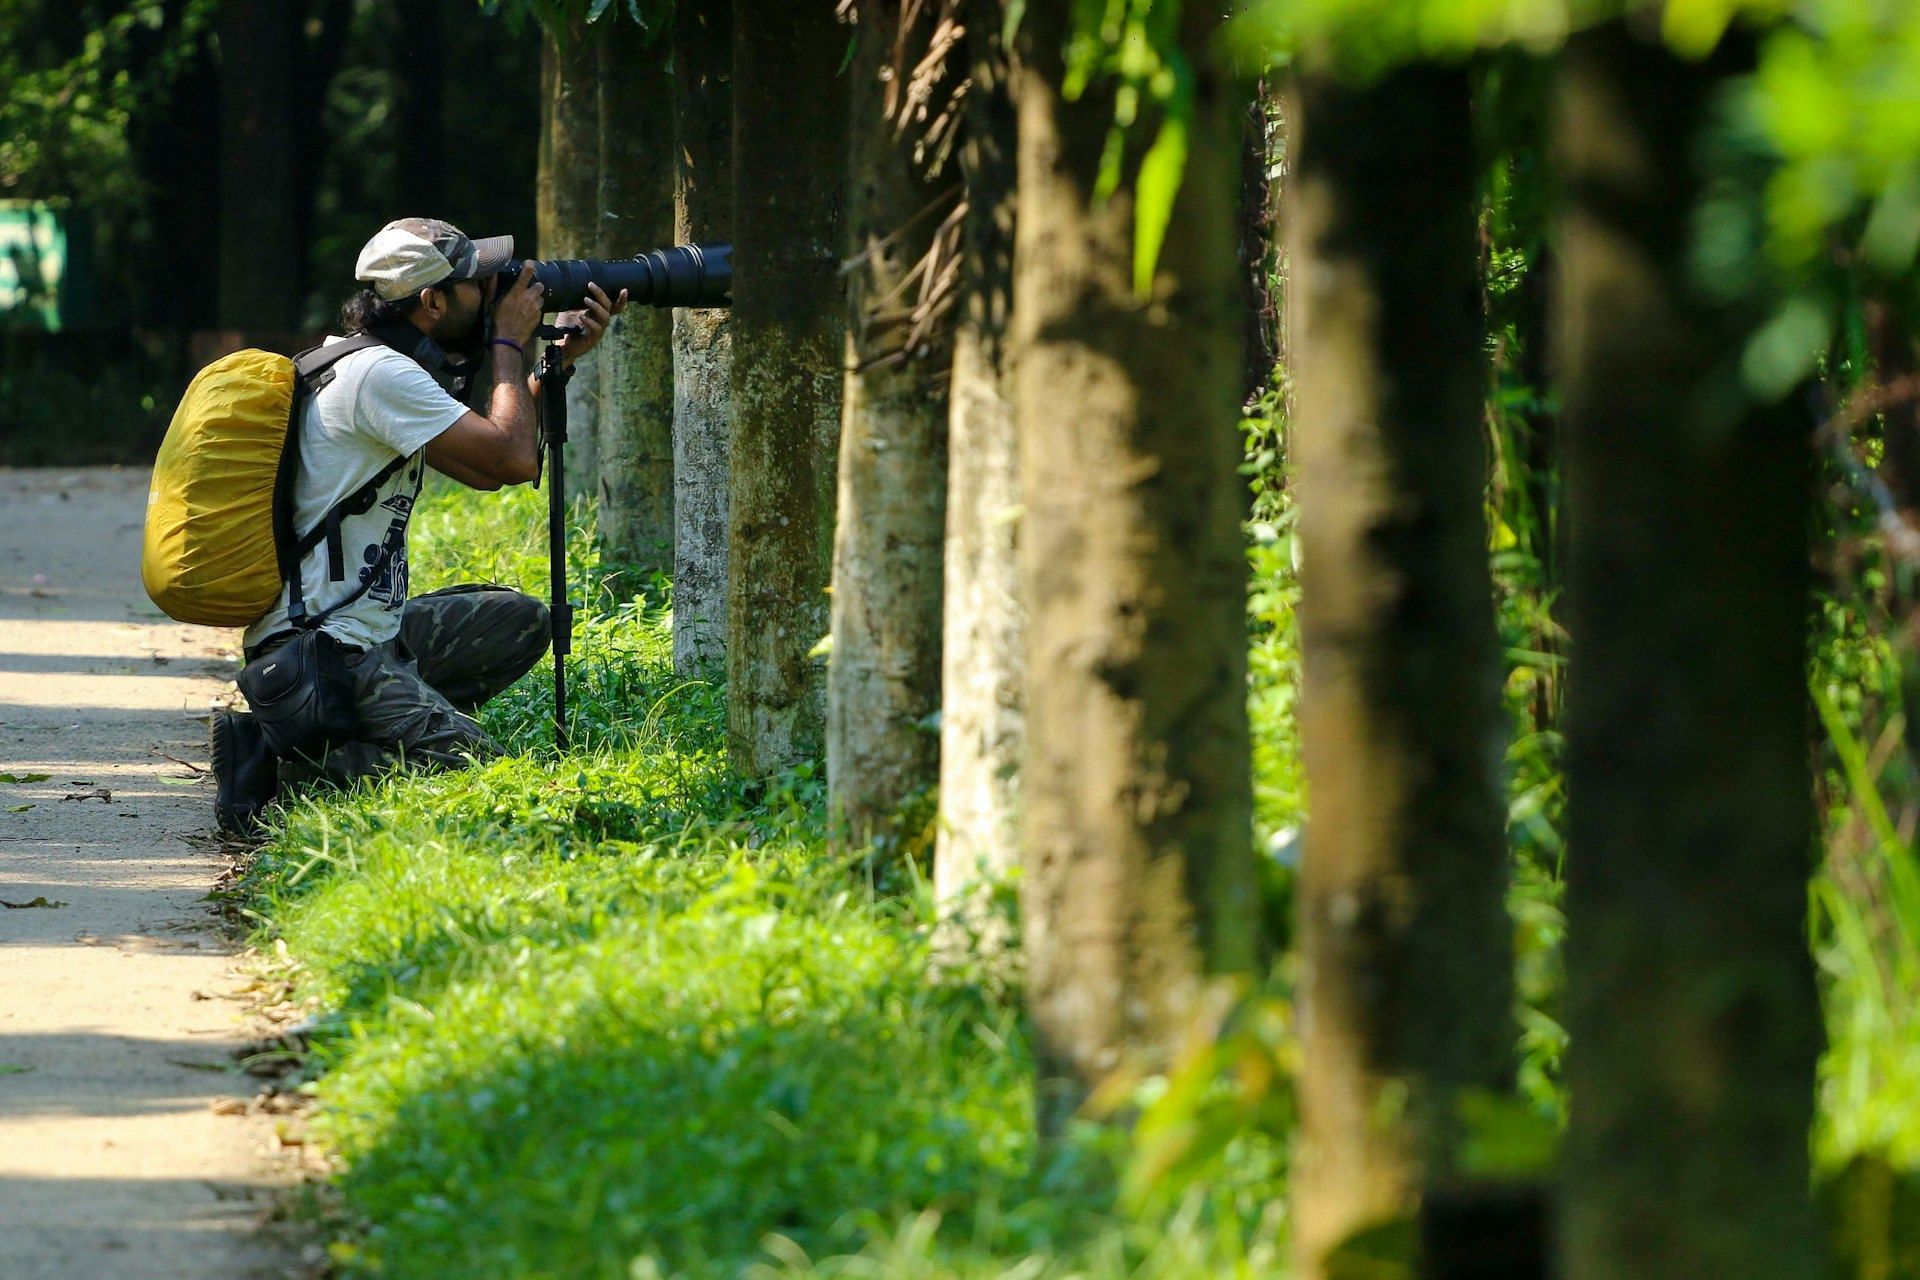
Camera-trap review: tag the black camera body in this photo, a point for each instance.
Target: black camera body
(684, 275)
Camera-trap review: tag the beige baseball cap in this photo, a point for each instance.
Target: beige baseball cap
(409, 254)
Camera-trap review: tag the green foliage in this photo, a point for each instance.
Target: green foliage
(1135, 44)
(1834, 94)
(1367, 38)
(1865, 901)
(74, 75)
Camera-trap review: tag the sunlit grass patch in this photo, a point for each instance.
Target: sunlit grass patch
(617, 1013)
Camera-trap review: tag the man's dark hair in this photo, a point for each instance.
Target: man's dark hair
(366, 309)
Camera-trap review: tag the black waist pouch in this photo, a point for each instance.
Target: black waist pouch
(302, 696)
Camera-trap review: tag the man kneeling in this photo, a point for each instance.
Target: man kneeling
(418, 668)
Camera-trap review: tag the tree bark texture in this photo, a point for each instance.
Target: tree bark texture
(262, 251)
(1691, 999)
(1406, 987)
(1138, 862)
(982, 711)
(569, 204)
(635, 359)
(788, 320)
(883, 681)
(702, 340)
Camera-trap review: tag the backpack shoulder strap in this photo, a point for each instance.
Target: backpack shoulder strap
(312, 370)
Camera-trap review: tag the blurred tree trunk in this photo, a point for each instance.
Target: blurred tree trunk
(276, 63)
(790, 178)
(883, 682)
(702, 340)
(420, 74)
(176, 145)
(1691, 1002)
(568, 204)
(1406, 985)
(1138, 859)
(984, 648)
(263, 254)
(634, 431)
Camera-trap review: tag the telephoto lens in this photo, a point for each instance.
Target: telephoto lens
(685, 275)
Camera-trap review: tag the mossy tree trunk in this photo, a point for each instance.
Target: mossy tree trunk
(790, 175)
(1405, 985)
(1138, 859)
(883, 684)
(635, 361)
(702, 340)
(1691, 1001)
(982, 711)
(568, 203)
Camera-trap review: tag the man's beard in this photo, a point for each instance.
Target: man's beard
(466, 339)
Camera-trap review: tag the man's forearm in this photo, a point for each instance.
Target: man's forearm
(512, 404)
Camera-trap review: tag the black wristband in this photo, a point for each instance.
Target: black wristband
(509, 342)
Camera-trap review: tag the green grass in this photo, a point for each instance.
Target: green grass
(617, 1014)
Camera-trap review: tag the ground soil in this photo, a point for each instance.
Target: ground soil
(120, 1010)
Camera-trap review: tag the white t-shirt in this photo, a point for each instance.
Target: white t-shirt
(379, 406)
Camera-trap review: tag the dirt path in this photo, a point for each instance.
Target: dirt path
(115, 1041)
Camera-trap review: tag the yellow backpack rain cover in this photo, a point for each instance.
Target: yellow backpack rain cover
(209, 553)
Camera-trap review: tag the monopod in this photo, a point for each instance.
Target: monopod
(554, 376)
(685, 275)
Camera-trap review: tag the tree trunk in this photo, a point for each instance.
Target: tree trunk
(635, 427)
(982, 737)
(420, 76)
(1139, 869)
(788, 318)
(883, 683)
(176, 145)
(1691, 1001)
(324, 26)
(1406, 983)
(702, 340)
(262, 251)
(569, 205)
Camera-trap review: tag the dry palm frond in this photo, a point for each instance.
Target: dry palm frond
(925, 89)
(907, 322)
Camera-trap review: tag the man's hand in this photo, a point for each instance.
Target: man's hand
(593, 319)
(517, 314)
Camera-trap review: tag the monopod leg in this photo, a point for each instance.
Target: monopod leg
(553, 396)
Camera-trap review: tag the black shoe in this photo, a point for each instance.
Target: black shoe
(245, 770)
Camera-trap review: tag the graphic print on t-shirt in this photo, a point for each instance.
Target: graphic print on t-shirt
(386, 560)
(379, 406)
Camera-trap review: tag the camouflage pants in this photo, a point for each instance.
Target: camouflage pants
(457, 648)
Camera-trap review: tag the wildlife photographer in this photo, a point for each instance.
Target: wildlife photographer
(434, 307)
